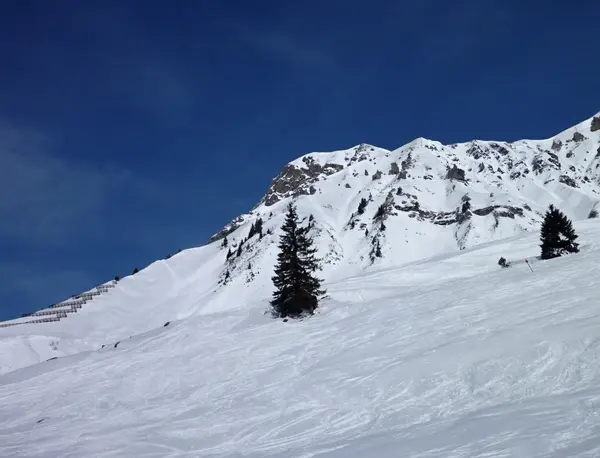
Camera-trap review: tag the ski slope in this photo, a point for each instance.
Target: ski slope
(448, 356)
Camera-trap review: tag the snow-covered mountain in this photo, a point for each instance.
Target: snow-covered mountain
(427, 350)
(431, 198)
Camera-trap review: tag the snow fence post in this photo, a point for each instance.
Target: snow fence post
(528, 265)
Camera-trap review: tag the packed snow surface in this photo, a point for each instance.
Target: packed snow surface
(449, 356)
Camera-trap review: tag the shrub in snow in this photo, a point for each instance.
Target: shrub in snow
(503, 263)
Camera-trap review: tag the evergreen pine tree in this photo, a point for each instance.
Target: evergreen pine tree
(229, 254)
(239, 250)
(135, 271)
(557, 235)
(297, 290)
(224, 243)
(378, 250)
(252, 231)
(362, 205)
(258, 227)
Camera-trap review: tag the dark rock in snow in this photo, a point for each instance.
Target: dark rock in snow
(565, 179)
(455, 173)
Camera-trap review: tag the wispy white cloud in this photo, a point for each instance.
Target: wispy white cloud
(47, 199)
(285, 42)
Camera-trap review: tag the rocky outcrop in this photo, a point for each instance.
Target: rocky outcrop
(566, 179)
(556, 144)
(595, 124)
(455, 173)
(295, 181)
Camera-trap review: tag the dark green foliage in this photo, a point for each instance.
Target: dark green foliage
(380, 213)
(223, 244)
(383, 227)
(227, 275)
(376, 249)
(297, 290)
(256, 228)
(135, 271)
(557, 235)
(362, 206)
(239, 250)
(117, 278)
(502, 262)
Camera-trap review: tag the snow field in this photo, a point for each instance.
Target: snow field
(446, 357)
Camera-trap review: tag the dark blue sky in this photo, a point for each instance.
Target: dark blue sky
(129, 129)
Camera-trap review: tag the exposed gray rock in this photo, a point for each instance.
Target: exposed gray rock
(565, 179)
(578, 137)
(455, 173)
(542, 163)
(295, 181)
(556, 144)
(500, 211)
(394, 169)
(348, 185)
(377, 175)
(595, 124)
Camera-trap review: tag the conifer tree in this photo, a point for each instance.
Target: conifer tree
(297, 290)
(239, 250)
(135, 271)
(362, 205)
(229, 254)
(223, 244)
(258, 227)
(557, 235)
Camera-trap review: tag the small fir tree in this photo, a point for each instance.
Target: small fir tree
(239, 250)
(502, 262)
(297, 289)
(557, 235)
(135, 271)
(362, 205)
(229, 254)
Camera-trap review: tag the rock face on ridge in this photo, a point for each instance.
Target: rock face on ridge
(437, 197)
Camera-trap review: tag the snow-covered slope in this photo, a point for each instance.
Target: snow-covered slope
(446, 357)
(433, 198)
(389, 349)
